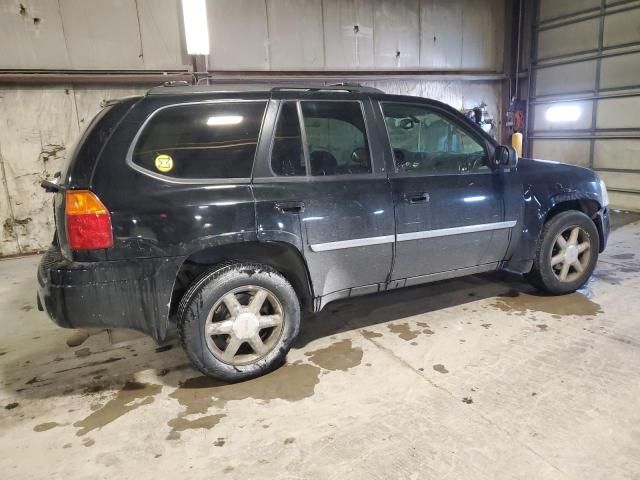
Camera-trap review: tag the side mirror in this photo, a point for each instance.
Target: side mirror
(506, 157)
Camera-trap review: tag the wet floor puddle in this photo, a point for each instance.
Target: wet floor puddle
(133, 395)
(573, 304)
(339, 356)
(405, 332)
(292, 382)
(197, 395)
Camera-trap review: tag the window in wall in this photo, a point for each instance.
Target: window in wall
(336, 137)
(425, 142)
(202, 141)
(287, 155)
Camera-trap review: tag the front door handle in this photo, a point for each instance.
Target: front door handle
(289, 207)
(416, 197)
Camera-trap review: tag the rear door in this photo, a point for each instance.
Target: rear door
(449, 201)
(330, 176)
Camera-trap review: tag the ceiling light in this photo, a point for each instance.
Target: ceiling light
(563, 113)
(194, 13)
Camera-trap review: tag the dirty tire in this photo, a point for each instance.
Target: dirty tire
(209, 289)
(542, 275)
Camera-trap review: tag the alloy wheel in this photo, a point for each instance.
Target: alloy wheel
(244, 325)
(570, 254)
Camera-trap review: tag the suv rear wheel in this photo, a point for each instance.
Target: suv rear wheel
(566, 255)
(238, 321)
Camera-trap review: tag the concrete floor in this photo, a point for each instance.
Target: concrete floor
(473, 378)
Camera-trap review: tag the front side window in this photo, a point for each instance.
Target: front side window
(336, 138)
(426, 142)
(201, 141)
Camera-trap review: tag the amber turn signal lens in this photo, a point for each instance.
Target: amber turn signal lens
(82, 202)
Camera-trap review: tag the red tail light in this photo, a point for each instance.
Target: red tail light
(88, 221)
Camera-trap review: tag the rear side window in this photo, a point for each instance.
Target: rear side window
(337, 138)
(201, 141)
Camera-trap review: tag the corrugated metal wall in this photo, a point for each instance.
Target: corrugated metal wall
(255, 34)
(588, 56)
(39, 125)
(356, 34)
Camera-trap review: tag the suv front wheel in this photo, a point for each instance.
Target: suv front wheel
(566, 255)
(238, 321)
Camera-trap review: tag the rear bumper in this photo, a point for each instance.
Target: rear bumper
(603, 223)
(115, 294)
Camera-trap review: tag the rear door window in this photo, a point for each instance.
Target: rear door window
(201, 141)
(337, 138)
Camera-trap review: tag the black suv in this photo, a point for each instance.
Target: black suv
(229, 210)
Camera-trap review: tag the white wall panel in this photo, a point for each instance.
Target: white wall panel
(442, 34)
(348, 34)
(34, 145)
(483, 34)
(619, 113)
(32, 36)
(621, 28)
(161, 34)
(575, 152)
(397, 34)
(620, 154)
(574, 77)
(621, 181)
(295, 34)
(573, 38)
(620, 71)
(8, 237)
(558, 8)
(625, 201)
(238, 35)
(102, 35)
(255, 34)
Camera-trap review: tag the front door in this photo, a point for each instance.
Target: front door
(449, 201)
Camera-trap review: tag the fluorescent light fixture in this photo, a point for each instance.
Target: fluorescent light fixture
(563, 113)
(224, 120)
(479, 198)
(196, 29)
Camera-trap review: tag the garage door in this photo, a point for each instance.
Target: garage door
(585, 96)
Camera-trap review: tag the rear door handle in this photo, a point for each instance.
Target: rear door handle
(289, 207)
(416, 197)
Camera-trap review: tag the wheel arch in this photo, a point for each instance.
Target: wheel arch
(281, 256)
(588, 206)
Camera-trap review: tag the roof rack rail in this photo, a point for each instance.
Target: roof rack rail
(335, 87)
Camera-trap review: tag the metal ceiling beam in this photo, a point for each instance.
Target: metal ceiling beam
(137, 77)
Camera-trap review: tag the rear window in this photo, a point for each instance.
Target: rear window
(201, 141)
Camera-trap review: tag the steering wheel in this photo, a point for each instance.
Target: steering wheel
(470, 163)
